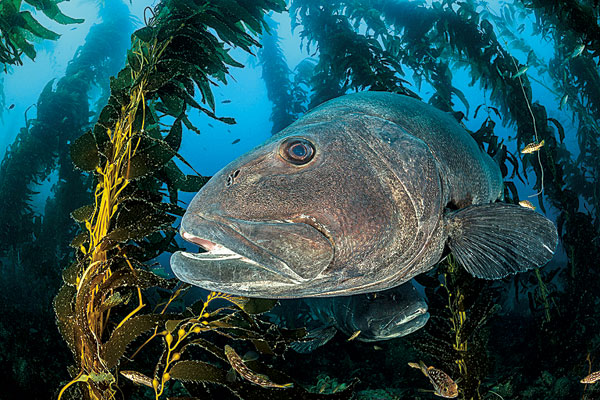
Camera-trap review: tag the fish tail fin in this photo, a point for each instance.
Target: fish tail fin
(494, 240)
(420, 366)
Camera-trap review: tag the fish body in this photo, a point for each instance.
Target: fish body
(360, 195)
(532, 147)
(137, 378)
(591, 378)
(527, 204)
(240, 367)
(369, 317)
(443, 385)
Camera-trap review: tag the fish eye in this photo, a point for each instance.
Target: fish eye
(297, 151)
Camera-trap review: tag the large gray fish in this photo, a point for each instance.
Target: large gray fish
(372, 317)
(359, 195)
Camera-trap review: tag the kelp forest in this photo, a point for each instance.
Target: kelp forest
(89, 313)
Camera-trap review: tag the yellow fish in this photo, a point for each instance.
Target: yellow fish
(443, 385)
(591, 378)
(532, 147)
(354, 335)
(241, 368)
(526, 204)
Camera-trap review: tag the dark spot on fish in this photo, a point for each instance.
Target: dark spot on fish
(235, 141)
(226, 101)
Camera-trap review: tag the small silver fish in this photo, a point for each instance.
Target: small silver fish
(443, 385)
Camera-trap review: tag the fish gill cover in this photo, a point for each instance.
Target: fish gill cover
(532, 335)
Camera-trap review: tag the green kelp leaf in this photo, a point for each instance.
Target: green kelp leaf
(208, 346)
(173, 139)
(157, 80)
(23, 45)
(259, 306)
(191, 183)
(148, 160)
(172, 324)
(50, 8)
(171, 208)
(84, 152)
(145, 34)
(69, 274)
(126, 278)
(134, 222)
(207, 95)
(174, 104)
(36, 28)
(83, 213)
(171, 27)
(197, 371)
(121, 82)
(134, 60)
(80, 239)
(262, 346)
(63, 309)
(115, 347)
(559, 127)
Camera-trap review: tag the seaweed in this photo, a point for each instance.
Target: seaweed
(17, 28)
(457, 334)
(276, 74)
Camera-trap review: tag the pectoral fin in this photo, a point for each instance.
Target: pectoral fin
(314, 339)
(494, 240)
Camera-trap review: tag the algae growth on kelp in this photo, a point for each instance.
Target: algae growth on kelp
(115, 113)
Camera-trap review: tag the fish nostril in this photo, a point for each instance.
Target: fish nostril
(231, 177)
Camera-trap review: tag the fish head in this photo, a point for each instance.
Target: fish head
(297, 217)
(388, 314)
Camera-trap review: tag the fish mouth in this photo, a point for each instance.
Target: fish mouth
(404, 324)
(252, 258)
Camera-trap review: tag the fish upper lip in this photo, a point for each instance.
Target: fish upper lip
(420, 311)
(226, 224)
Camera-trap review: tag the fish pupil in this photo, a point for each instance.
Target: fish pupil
(299, 150)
